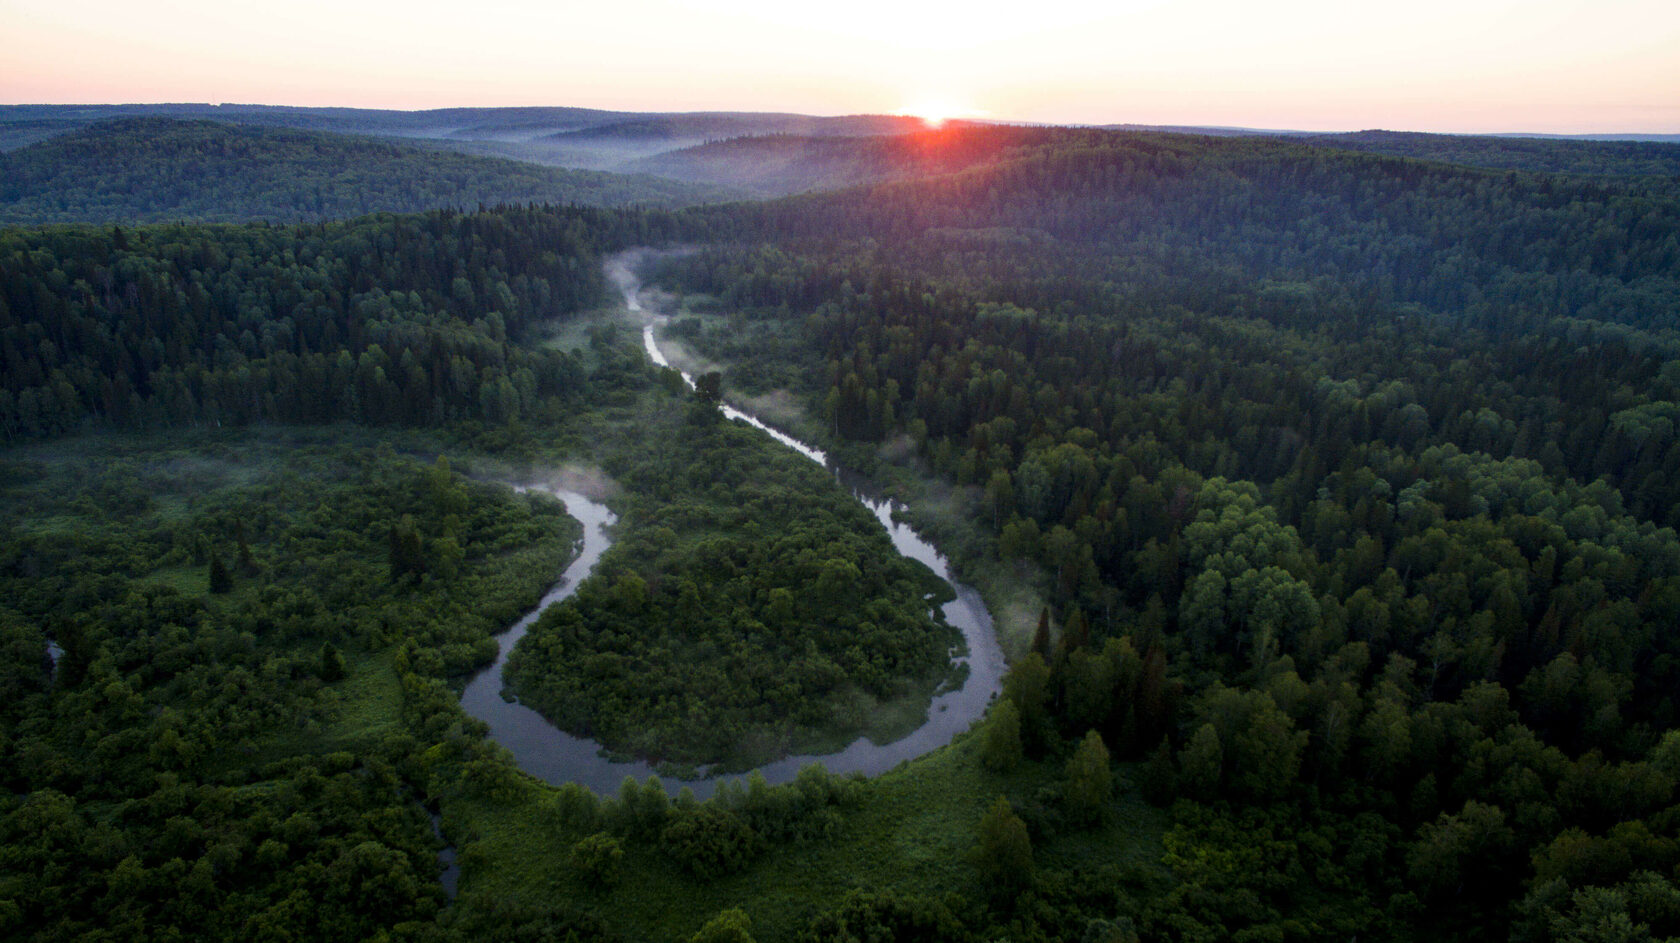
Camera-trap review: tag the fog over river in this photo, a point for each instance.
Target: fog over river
(553, 755)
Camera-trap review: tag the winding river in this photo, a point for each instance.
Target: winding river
(555, 756)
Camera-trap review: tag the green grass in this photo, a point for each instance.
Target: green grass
(187, 580)
(912, 833)
(576, 332)
(369, 703)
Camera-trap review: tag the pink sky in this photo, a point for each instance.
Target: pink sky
(1543, 65)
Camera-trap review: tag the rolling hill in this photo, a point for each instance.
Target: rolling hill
(165, 169)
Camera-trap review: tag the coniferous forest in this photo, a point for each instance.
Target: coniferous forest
(1325, 502)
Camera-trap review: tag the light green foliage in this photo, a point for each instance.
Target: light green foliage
(730, 926)
(1003, 851)
(1201, 764)
(599, 858)
(1002, 749)
(1090, 782)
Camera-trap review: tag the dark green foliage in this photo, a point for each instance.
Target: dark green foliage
(1001, 751)
(709, 387)
(516, 922)
(332, 663)
(1354, 479)
(221, 581)
(730, 926)
(781, 614)
(1159, 780)
(136, 170)
(709, 841)
(1003, 851)
(1041, 635)
(408, 558)
(599, 858)
(386, 321)
(1364, 465)
(1090, 782)
(151, 787)
(1028, 686)
(1550, 155)
(867, 917)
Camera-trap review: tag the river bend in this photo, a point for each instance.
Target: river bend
(555, 756)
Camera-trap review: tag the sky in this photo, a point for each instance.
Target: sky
(1565, 66)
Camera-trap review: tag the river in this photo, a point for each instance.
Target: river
(555, 756)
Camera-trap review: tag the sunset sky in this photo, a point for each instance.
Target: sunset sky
(1464, 65)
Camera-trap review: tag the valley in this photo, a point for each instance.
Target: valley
(1053, 533)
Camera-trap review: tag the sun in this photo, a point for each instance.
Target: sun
(934, 112)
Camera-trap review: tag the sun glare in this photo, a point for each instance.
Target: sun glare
(935, 112)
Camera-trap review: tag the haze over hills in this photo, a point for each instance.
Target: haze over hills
(1648, 154)
(25, 124)
(573, 137)
(1323, 498)
(778, 165)
(741, 153)
(164, 169)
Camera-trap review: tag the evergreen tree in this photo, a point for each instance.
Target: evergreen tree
(1201, 764)
(1041, 635)
(1004, 853)
(221, 581)
(247, 562)
(1001, 749)
(332, 663)
(1160, 779)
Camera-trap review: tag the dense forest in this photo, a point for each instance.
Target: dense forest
(185, 766)
(752, 610)
(1343, 487)
(131, 170)
(415, 320)
(1339, 515)
(1548, 155)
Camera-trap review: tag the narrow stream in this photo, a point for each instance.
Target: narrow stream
(557, 757)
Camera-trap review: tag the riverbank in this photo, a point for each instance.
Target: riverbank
(899, 728)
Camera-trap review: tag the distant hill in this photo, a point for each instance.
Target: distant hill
(574, 137)
(1565, 155)
(21, 125)
(771, 154)
(161, 169)
(773, 165)
(615, 145)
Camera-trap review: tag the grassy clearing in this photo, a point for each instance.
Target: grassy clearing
(186, 580)
(912, 833)
(369, 704)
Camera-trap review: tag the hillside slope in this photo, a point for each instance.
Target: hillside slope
(163, 169)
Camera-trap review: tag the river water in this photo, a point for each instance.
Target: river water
(555, 756)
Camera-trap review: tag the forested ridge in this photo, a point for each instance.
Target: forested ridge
(385, 320)
(1347, 482)
(1350, 481)
(156, 169)
(1548, 155)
